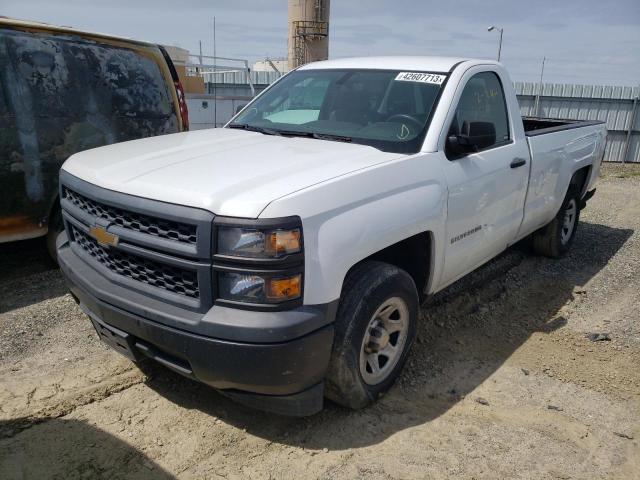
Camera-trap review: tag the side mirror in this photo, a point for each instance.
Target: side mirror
(474, 136)
(457, 145)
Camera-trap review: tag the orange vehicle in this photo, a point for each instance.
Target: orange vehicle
(63, 91)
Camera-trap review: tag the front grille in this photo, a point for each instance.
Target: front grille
(179, 232)
(172, 279)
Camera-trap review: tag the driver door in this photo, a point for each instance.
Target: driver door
(486, 191)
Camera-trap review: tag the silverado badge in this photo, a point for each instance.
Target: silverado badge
(103, 237)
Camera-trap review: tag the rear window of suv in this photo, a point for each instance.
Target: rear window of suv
(120, 91)
(62, 93)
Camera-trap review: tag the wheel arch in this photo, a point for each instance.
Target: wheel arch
(414, 254)
(580, 179)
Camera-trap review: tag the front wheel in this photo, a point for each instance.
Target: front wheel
(555, 239)
(375, 328)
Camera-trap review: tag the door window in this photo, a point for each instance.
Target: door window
(482, 100)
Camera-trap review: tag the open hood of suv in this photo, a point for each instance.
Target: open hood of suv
(228, 172)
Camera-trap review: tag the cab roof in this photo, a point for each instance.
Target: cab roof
(408, 63)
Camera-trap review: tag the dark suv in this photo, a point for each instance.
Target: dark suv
(63, 91)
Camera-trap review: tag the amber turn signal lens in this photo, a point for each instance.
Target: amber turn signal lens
(280, 289)
(282, 242)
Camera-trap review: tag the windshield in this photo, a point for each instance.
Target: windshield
(386, 109)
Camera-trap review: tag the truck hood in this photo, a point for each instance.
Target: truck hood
(227, 172)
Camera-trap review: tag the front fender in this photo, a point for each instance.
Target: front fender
(349, 218)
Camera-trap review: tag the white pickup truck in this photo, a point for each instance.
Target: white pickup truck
(283, 259)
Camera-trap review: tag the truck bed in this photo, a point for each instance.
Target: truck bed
(558, 149)
(539, 126)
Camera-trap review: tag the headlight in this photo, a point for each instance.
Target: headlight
(259, 262)
(257, 288)
(258, 243)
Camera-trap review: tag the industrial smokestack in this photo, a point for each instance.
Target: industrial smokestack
(308, 31)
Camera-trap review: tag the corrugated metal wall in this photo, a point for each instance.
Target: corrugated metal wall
(617, 106)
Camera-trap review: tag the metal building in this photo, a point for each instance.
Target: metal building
(615, 105)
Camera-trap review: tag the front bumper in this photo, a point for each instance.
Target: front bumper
(279, 367)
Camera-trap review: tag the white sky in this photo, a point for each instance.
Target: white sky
(588, 41)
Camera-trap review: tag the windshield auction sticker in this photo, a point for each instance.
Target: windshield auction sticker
(432, 78)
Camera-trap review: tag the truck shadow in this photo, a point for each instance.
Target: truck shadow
(70, 449)
(468, 331)
(27, 275)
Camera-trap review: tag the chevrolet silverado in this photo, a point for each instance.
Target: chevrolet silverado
(283, 258)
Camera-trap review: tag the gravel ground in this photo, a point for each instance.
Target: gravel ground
(503, 381)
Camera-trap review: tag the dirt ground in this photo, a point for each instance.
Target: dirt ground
(503, 381)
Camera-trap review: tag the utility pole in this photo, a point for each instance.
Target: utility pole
(632, 123)
(536, 109)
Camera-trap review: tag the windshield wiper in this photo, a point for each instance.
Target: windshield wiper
(251, 128)
(290, 133)
(328, 136)
(317, 136)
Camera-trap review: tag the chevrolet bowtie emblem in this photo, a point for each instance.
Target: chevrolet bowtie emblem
(103, 237)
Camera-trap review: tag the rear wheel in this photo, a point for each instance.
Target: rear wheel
(375, 328)
(555, 239)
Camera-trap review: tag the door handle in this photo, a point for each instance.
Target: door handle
(518, 162)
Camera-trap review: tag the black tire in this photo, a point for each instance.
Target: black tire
(368, 287)
(552, 240)
(55, 228)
